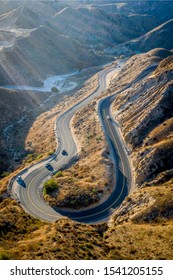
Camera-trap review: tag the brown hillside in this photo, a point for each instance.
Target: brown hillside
(145, 115)
(145, 218)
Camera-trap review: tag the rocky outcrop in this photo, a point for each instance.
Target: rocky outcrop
(144, 112)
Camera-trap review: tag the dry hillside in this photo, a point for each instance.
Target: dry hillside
(30, 115)
(16, 109)
(141, 229)
(42, 53)
(144, 112)
(161, 36)
(145, 218)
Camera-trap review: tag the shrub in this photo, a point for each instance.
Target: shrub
(54, 89)
(5, 174)
(38, 156)
(50, 186)
(4, 256)
(59, 174)
(30, 158)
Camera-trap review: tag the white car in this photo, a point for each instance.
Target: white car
(108, 117)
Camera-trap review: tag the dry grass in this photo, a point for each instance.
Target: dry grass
(3, 185)
(136, 242)
(52, 242)
(23, 237)
(162, 132)
(141, 229)
(145, 221)
(144, 112)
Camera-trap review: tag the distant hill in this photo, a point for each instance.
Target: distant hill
(162, 10)
(9, 19)
(26, 14)
(33, 15)
(159, 37)
(57, 37)
(95, 26)
(7, 6)
(43, 52)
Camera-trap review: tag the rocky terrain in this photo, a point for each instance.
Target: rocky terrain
(145, 116)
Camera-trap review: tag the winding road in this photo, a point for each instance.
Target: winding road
(30, 194)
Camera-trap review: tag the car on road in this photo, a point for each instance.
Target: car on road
(19, 179)
(108, 117)
(64, 153)
(49, 166)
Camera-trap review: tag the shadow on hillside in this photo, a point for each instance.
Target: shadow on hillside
(20, 103)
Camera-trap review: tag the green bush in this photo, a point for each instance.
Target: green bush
(5, 174)
(50, 186)
(38, 156)
(54, 89)
(4, 255)
(30, 157)
(59, 174)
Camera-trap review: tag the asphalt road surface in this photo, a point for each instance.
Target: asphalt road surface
(30, 194)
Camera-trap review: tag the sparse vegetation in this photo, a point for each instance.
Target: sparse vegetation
(144, 221)
(54, 89)
(50, 186)
(4, 255)
(59, 174)
(145, 116)
(5, 174)
(50, 153)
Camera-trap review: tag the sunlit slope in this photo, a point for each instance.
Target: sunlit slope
(43, 52)
(26, 14)
(145, 115)
(96, 26)
(159, 37)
